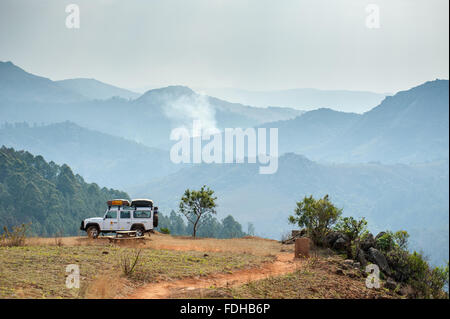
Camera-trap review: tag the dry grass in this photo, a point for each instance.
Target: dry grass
(317, 279)
(38, 271)
(247, 245)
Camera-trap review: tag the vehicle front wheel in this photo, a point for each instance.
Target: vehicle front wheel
(92, 232)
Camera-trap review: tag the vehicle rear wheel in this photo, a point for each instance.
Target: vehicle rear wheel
(92, 232)
(140, 231)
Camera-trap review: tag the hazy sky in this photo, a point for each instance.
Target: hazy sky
(248, 44)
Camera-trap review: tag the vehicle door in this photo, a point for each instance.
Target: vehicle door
(125, 220)
(111, 221)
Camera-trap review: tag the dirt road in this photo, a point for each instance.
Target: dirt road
(283, 264)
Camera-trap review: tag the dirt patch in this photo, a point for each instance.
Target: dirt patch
(283, 264)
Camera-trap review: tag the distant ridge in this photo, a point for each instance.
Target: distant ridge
(94, 89)
(19, 85)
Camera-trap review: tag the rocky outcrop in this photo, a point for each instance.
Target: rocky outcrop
(390, 284)
(340, 244)
(360, 257)
(375, 256)
(338, 241)
(368, 242)
(294, 235)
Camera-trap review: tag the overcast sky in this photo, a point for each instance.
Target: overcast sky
(248, 44)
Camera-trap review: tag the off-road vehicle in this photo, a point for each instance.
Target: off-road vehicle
(140, 215)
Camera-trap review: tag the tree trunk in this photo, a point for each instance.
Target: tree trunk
(195, 228)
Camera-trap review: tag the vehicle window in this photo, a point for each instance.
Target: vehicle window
(111, 214)
(125, 215)
(142, 214)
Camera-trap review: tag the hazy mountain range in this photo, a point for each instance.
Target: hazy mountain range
(302, 99)
(410, 197)
(147, 119)
(411, 126)
(98, 157)
(96, 90)
(389, 164)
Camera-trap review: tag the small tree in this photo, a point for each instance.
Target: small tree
(196, 204)
(351, 227)
(401, 239)
(317, 216)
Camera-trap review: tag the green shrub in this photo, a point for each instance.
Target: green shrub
(401, 238)
(428, 282)
(386, 242)
(398, 260)
(318, 216)
(165, 230)
(351, 227)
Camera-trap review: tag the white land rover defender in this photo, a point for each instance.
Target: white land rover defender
(139, 215)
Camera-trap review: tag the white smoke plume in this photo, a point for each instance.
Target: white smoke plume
(186, 109)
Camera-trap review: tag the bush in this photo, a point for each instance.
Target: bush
(398, 260)
(351, 227)
(318, 216)
(428, 282)
(386, 242)
(401, 239)
(15, 237)
(129, 262)
(165, 230)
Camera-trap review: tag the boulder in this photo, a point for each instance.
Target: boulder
(379, 259)
(368, 242)
(348, 262)
(361, 258)
(340, 244)
(331, 238)
(390, 284)
(339, 272)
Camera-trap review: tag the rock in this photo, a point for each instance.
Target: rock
(340, 244)
(357, 265)
(406, 291)
(348, 262)
(352, 274)
(360, 257)
(378, 258)
(331, 238)
(368, 242)
(340, 272)
(295, 233)
(390, 284)
(298, 233)
(343, 266)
